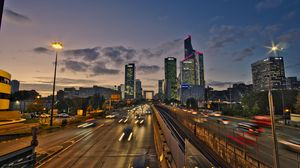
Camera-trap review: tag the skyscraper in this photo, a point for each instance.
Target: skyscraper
(191, 73)
(130, 81)
(263, 69)
(139, 90)
(170, 78)
(14, 86)
(161, 86)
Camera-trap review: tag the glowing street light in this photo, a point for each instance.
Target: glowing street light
(274, 48)
(57, 46)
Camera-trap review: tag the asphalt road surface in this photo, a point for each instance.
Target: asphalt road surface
(102, 148)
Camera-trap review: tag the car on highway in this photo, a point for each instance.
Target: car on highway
(126, 134)
(140, 121)
(223, 121)
(110, 116)
(249, 128)
(63, 115)
(148, 112)
(88, 123)
(123, 120)
(44, 115)
(291, 144)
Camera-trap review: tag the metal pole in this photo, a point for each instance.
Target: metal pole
(1, 11)
(271, 108)
(52, 104)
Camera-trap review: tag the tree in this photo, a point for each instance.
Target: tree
(191, 103)
(36, 106)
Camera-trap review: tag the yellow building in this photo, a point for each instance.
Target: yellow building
(5, 89)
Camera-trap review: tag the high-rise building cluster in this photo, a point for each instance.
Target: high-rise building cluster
(190, 82)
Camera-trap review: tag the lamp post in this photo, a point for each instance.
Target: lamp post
(56, 46)
(274, 48)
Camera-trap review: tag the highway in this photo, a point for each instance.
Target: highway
(97, 146)
(102, 148)
(261, 146)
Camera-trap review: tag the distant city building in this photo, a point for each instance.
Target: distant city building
(85, 92)
(130, 81)
(192, 84)
(262, 69)
(292, 83)
(5, 90)
(15, 85)
(233, 94)
(161, 90)
(121, 89)
(161, 86)
(170, 78)
(139, 90)
(60, 95)
(148, 94)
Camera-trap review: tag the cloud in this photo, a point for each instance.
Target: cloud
(64, 81)
(290, 36)
(16, 17)
(290, 15)
(147, 69)
(75, 66)
(216, 18)
(272, 28)
(42, 50)
(266, 4)
(170, 48)
(223, 35)
(39, 87)
(101, 69)
(241, 55)
(88, 54)
(118, 54)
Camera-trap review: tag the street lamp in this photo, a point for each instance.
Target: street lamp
(56, 46)
(275, 49)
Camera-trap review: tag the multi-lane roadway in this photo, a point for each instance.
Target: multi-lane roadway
(97, 146)
(259, 147)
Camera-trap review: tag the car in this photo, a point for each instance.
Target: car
(44, 115)
(223, 121)
(140, 121)
(123, 120)
(64, 115)
(110, 116)
(127, 134)
(291, 144)
(250, 128)
(148, 112)
(86, 125)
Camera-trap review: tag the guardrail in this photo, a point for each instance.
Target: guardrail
(178, 157)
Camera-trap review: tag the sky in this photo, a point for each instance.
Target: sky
(100, 37)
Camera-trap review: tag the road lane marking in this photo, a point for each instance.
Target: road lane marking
(89, 133)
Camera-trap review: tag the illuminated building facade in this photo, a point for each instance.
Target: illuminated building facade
(5, 90)
(262, 69)
(170, 78)
(130, 85)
